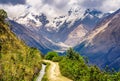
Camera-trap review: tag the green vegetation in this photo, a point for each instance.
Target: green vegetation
(74, 67)
(18, 62)
(51, 55)
(57, 59)
(3, 15)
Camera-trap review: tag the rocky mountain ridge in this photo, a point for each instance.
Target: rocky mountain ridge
(58, 33)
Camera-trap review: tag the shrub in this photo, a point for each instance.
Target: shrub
(50, 55)
(57, 59)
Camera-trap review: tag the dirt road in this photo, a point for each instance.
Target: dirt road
(53, 72)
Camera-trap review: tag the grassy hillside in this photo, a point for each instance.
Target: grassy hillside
(18, 62)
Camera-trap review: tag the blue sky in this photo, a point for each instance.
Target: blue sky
(17, 7)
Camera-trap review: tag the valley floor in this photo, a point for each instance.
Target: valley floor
(53, 72)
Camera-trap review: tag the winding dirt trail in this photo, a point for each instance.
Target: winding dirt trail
(53, 72)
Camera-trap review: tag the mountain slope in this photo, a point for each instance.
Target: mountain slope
(17, 61)
(30, 36)
(58, 33)
(102, 45)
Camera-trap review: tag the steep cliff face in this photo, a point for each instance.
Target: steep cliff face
(102, 45)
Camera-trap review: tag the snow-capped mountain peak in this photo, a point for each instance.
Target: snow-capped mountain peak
(75, 14)
(28, 19)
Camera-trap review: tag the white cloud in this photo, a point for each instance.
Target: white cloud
(50, 7)
(37, 4)
(13, 11)
(59, 7)
(110, 5)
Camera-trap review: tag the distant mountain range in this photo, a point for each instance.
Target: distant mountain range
(59, 33)
(93, 33)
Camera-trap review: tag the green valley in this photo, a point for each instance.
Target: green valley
(19, 62)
